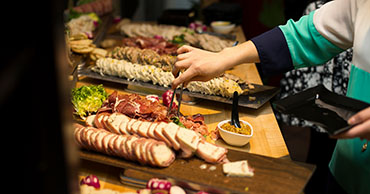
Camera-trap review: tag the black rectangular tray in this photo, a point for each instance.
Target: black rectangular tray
(322, 107)
(262, 93)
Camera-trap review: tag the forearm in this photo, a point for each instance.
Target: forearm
(242, 53)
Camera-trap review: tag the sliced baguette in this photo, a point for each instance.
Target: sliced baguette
(162, 154)
(143, 129)
(123, 126)
(114, 122)
(170, 133)
(210, 152)
(90, 121)
(158, 133)
(129, 125)
(151, 130)
(135, 127)
(188, 139)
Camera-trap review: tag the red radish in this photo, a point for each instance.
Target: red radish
(166, 98)
(152, 97)
(91, 180)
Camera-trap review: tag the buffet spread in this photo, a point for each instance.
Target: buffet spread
(133, 131)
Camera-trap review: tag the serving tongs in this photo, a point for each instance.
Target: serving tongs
(234, 112)
(177, 113)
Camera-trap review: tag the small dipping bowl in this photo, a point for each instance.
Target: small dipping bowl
(234, 139)
(223, 27)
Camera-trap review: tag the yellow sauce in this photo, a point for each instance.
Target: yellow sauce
(245, 129)
(221, 23)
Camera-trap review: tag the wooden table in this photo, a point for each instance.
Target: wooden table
(267, 139)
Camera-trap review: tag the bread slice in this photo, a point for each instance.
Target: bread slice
(129, 148)
(151, 130)
(114, 122)
(143, 129)
(135, 127)
(170, 133)
(188, 139)
(238, 168)
(210, 152)
(158, 133)
(129, 124)
(123, 126)
(162, 154)
(90, 120)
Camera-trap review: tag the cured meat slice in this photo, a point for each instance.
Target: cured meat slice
(162, 155)
(144, 128)
(158, 133)
(170, 133)
(210, 152)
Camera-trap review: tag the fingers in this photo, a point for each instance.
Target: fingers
(184, 49)
(361, 130)
(360, 117)
(186, 76)
(183, 64)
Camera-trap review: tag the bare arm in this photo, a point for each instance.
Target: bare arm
(201, 65)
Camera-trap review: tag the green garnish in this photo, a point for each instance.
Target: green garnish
(179, 39)
(88, 99)
(176, 120)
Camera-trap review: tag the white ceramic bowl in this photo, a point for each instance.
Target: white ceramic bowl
(234, 139)
(223, 27)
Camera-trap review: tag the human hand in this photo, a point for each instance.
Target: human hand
(361, 130)
(199, 65)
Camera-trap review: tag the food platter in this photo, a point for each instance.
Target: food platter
(272, 175)
(261, 93)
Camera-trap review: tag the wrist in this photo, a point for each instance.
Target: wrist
(243, 53)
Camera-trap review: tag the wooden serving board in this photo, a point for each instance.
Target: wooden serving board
(271, 175)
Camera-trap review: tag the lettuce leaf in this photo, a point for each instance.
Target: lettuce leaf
(88, 99)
